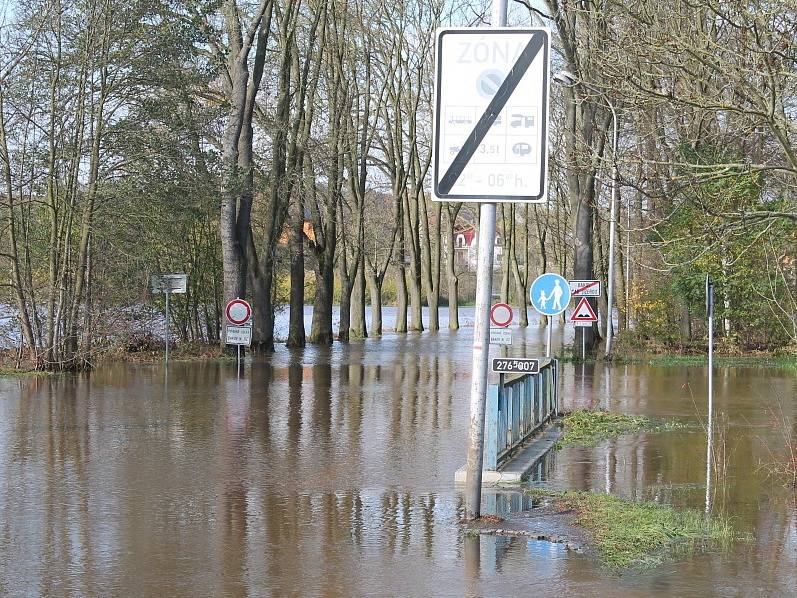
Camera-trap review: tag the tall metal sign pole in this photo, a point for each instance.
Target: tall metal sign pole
(710, 422)
(168, 284)
(490, 145)
(481, 337)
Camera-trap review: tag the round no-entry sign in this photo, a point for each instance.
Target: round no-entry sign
(501, 315)
(239, 312)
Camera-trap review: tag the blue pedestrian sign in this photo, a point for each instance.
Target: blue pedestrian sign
(550, 294)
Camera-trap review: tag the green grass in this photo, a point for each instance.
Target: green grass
(752, 361)
(591, 427)
(702, 360)
(9, 372)
(629, 534)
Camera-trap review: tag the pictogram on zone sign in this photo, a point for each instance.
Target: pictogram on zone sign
(491, 114)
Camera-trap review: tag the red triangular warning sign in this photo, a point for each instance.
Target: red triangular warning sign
(584, 312)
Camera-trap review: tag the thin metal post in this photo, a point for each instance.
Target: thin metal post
(612, 232)
(628, 266)
(167, 327)
(548, 343)
(239, 361)
(710, 422)
(481, 336)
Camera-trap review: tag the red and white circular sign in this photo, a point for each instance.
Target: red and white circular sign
(239, 312)
(501, 315)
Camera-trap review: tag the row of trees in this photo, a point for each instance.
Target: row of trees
(280, 150)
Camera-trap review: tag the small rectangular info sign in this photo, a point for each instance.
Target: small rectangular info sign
(238, 335)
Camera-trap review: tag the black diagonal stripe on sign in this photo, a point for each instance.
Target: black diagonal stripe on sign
(491, 113)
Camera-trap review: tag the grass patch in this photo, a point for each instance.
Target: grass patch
(591, 427)
(640, 534)
(726, 361)
(789, 363)
(9, 372)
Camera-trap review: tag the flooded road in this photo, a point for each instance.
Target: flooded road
(329, 472)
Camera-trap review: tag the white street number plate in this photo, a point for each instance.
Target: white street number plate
(516, 365)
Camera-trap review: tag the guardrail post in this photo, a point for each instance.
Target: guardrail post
(556, 387)
(491, 429)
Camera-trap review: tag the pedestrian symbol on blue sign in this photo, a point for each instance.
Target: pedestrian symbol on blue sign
(550, 294)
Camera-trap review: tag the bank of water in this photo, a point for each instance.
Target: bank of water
(330, 472)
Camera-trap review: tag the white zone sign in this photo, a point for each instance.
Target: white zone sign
(491, 115)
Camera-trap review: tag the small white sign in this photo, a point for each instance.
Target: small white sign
(585, 288)
(578, 323)
(168, 283)
(238, 335)
(500, 336)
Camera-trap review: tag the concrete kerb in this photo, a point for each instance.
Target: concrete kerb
(521, 465)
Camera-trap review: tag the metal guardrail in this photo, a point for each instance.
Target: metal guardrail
(517, 407)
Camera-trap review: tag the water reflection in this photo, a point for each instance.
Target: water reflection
(328, 471)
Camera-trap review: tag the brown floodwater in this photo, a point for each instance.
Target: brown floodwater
(329, 472)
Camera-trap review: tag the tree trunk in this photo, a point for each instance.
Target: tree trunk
(401, 276)
(375, 292)
(451, 273)
(686, 324)
(521, 278)
(601, 269)
(237, 175)
(726, 295)
(413, 242)
(506, 246)
(321, 328)
(401, 296)
(325, 245)
(346, 287)
(358, 323)
(296, 335)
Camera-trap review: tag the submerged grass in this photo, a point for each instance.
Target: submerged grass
(640, 534)
(591, 427)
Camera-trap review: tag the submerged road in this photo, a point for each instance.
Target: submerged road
(329, 472)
